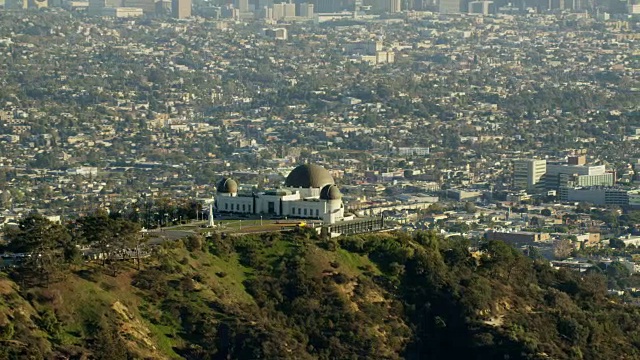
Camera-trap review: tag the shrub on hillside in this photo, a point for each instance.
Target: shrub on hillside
(193, 243)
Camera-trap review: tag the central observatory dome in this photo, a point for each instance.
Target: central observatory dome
(309, 176)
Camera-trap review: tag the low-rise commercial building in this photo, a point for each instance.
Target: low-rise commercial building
(519, 238)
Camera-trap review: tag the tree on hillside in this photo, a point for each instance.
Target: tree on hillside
(112, 238)
(435, 208)
(562, 249)
(501, 259)
(470, 207)
(616, 243)
(98, 230)
(617, 274)
(42, 244)
(128, 238)
(583, 208)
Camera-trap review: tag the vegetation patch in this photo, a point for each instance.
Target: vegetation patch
(299, 295)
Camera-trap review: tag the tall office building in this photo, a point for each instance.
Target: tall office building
(554, 172)
(420, 5)
(278, 11)
(565, 177)
(96, 6)
(481, 7)
(528, 174)
(328, 6)
(267, 13)
(556, 4)
(449, 6)
(241, 5)
(386, 6)
(163, 7)
(289, 10)
(148, 6)
(181, 9)
(283, 11)
(577, 160)
(306, 10)
(26, 4)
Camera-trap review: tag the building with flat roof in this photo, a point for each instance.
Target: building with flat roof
(449, 6)
(554, 169)
(306, 10)
(369, 51)
(181, 9)
(462, 195)
(528, 174)
(411, 151)
(26, 4)
(385, 6)
(283, 11)
(555, 173)
(148, 6)
(329, 6)
(96, 6)
(120, 13)
(577, 160)
(277, 33)
(633, 197)
(598, 195)
(518, 238)
(566, 182)
(241, 5)
(564, 177)
(481, 7)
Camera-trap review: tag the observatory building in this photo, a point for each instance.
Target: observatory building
(308, 192)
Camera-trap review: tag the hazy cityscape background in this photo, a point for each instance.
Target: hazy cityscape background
(319, 179)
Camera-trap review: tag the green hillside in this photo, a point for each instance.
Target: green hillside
(296, 296)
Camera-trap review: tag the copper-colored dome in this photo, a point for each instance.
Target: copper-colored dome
(330, 192)
(309, 176)
(227, 186)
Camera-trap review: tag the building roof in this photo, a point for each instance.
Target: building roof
(227, 185)
(309, 176)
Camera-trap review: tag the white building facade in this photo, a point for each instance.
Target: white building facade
(309, 192)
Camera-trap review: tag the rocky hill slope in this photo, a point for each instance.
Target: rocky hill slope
(297, 296)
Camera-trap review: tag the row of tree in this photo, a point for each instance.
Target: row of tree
(43, 249)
